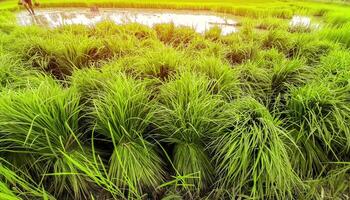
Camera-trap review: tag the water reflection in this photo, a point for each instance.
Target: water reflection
(199, 21)
(303, 21)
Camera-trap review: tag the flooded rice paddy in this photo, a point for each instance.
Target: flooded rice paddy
(199, 20)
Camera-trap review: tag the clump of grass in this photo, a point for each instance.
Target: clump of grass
(186, 116)
(122, 114)
(289, 73)
(161, 63)
(255, 80)
(13, 75)
(335, 68)
(39, 124)
(306, 47)
(15, 187)
(237, 54)
(271, 24)
(252, 153)
(225, 79)
(339, 35)
(318, 113)
(176, 36)
(214, 33)
(277, 39)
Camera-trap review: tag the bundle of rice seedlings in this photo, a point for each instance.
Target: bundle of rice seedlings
(14, 75)
(122, 114)
(240, 53)
(39, 125)
(251, 155)
(335, 68)
(278, 39)
(213, 34)
(339, 35)
(289, 73)
(335, 185)
(187, 115)
(160, 63)
(255, 80)
(175, 36)
(269, 58)
(225, 79)
(306, 47)
(60, 54)
(318, 115)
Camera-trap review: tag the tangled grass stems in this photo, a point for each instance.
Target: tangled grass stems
(252, 153)
(318, 112)
(122, 113)
(39, 124)
(186, 115)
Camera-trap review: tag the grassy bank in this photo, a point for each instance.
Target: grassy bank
(136, 112)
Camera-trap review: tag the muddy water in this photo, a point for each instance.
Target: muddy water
(200, 21)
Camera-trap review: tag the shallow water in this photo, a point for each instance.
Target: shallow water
(200, 21)
(303, 21)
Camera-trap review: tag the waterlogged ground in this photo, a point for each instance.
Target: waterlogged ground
(199, 20)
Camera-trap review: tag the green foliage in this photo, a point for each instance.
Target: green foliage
(186, 117)
(176, 36)
(252, 153)
(136, 112)
(318, 113)
(122, 114)
(39, 124)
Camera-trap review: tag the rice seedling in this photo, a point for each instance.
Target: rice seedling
(255, 80)
(225, 79)
(252, 153)
(160, 63)
(186, 117)
(339, 35)
(176, 36)
(277, 39)
(134, 112)
(38, 125)
(334, 68)
(15, 76)
(318, 113)
(122, 114)
(237, 54)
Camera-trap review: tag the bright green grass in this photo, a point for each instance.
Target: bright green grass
(134, 112)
